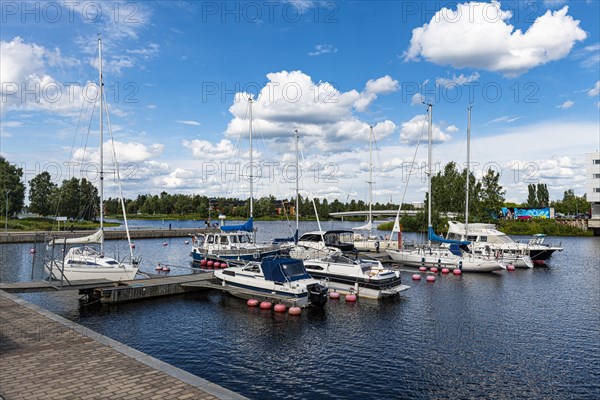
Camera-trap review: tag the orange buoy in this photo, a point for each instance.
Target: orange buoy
(445, 271)
(203, 262)
(434, 270)
(351, 298)
(457, 271)
(266, 305)
(334, 295)
(510, 267)
(416, 277)
(295, 310)
(210, 264)
(252, 302)
(166, 269)
(280, 308)
(422, 269)
(430, 278)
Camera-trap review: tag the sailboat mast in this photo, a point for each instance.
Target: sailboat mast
(468, 172)
(101, 90)
(429, 156)
(297, 188)
(370, 180)
(251, 162)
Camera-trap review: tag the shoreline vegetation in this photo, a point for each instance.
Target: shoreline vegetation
(548, 227)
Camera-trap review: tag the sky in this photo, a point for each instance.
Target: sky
(178, 76)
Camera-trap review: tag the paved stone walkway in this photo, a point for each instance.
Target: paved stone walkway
(44, 356)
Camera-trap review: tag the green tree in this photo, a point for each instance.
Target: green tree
(492, 194)
(532, 199)
(543, 196)
(11, 187)
(40, 194)
(89, 201)
(68, 198)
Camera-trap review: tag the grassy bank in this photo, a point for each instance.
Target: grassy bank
(197, 217)
(47, 224)
(548, 227)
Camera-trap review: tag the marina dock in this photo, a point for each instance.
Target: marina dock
(45, 356)
(114, 234)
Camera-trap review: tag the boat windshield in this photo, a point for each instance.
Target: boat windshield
(293, 269)
(244, 238)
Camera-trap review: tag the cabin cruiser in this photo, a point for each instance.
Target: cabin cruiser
(279, 279)
(232, 243)
(482, 235)
(365, 278)
(317, 244)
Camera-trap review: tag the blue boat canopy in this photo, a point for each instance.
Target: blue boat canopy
(283, 269)
(246, 226)
(435, 238)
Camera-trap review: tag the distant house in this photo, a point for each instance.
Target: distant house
(592, 169)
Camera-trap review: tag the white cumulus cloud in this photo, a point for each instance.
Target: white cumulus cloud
(595, 90)
(411, 130)
(567, 104)
(478, 35)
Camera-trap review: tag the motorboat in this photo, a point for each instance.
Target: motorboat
(363, 277)
(232, 243)
(487, 236)
(279, 279)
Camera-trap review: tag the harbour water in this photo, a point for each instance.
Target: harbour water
(529, 333)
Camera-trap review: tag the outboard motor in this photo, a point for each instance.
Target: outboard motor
(317, 294)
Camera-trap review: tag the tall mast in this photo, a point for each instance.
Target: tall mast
(370, 180)
(251, 162)
(297, 187)
(101, 90)
(468, 172)
(429, 145)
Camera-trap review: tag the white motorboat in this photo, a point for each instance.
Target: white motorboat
(365, 278)
(278, 279)
(318, 244)
(84, 262)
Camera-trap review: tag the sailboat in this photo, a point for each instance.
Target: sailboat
(84, 261)
(234, 242)
(457, 255)
(478, 234)
(368, 241)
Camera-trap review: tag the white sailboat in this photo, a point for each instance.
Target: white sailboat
(367, 241)
(235, 242)
(84, 262)
(431, 255)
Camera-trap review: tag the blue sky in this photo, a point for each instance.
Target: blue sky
(178, 75)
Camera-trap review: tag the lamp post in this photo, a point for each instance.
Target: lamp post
(6, 211)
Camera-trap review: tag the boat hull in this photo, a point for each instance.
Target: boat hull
(361, 287)
(73, 274)
(199, 255)
(420, 258)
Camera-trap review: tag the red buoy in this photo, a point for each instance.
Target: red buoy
(158, 267)
(295, 311)
(32, 251)
(422, 269)
(457, 271)
(280, 308)
(132, 245)
(434, 270)
(266, 305)
(334, 295)
(252, 302)
(210, 264)
(445, 271)
(217, 264)
(166, 269)
(224, 265)
(203, 263)
(351, 298)
(510, 267)
(430, 278)
(416, 277)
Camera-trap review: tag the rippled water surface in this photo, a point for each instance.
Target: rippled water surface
(528, 333)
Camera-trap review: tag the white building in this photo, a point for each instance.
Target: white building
(592, 169)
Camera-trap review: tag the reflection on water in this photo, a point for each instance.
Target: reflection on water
(528, 333)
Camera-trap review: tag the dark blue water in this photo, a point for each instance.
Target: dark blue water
(528, 333)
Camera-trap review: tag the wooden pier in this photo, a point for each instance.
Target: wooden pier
(109, 234)
(45, 356)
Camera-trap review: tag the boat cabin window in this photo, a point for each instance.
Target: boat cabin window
(224, 240)
(244, 239)
(293, 269)
(472, 238)
(112, 262)
(454, 236)
(252, 268)
(314, 267)
(210, 239)
(483, 239)
(233, 239)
